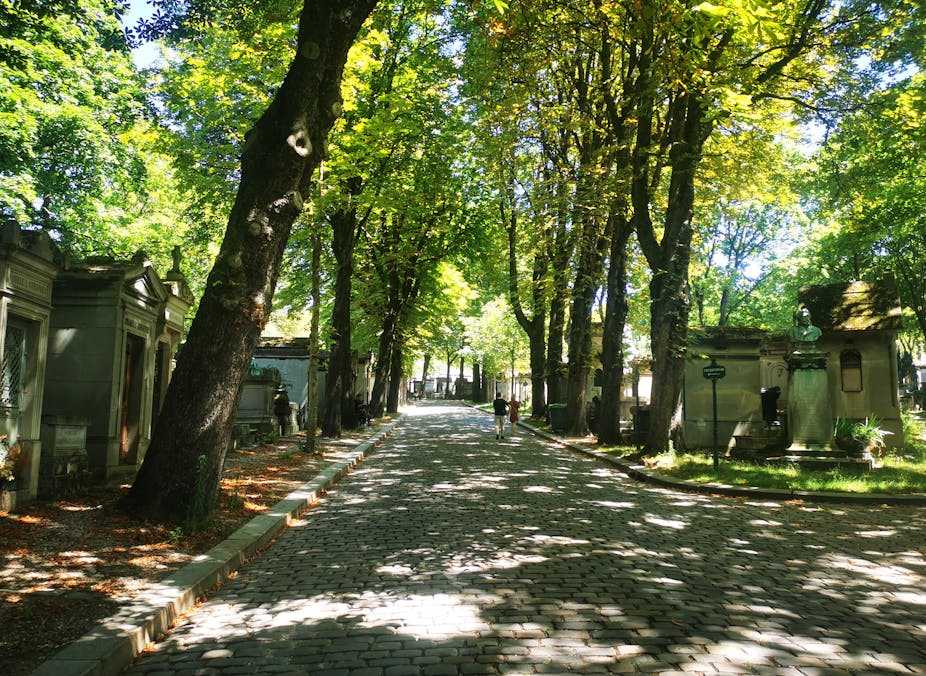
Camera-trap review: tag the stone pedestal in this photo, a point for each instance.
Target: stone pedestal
(64, 466)
(809, 416)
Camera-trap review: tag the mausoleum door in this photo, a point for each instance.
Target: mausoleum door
(12, 381)
(131, 399)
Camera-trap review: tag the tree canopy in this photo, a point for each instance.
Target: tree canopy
(495, 180)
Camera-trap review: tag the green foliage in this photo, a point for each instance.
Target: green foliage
(868, 431)
(496, 339)
(871, 195)
(210, 91)
(69, 98)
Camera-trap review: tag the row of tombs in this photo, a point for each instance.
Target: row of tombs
(87, 351)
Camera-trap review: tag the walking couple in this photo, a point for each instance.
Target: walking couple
(503, 409)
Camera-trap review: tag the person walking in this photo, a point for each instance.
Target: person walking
(513, 407)
(500, 407)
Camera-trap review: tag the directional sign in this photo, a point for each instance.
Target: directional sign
(714, 372)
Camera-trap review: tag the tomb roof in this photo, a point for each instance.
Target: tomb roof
(854, 306)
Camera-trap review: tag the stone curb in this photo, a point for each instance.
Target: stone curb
(641, 473)
(113, 645)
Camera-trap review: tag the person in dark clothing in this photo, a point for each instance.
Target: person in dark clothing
(362, 411)
(500, 408)
(282, 410)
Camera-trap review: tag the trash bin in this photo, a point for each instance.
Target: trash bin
(640, 419)
(558, 418)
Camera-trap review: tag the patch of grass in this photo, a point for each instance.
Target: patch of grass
(903, 472)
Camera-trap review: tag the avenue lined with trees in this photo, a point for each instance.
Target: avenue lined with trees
(470, 184)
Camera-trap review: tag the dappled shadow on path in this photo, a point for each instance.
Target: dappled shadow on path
(451, 552)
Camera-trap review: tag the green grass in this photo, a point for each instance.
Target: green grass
(898, 474)
(902, 471)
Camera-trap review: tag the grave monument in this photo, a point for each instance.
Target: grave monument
(809, 419)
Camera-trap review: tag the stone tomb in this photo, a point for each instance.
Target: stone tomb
(115, 328)
(857, 357)
(27, 268)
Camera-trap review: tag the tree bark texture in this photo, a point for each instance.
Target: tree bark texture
(535, 325)
(311, 411)
(280, 154)
(612, 338)
(670, 300)
(395, 377)
(339, 383)
(592, 248)
(401, 286)
(477, 394)
(556, 331)
(384, 349)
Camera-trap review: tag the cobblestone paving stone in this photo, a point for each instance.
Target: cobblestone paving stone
(448, 552)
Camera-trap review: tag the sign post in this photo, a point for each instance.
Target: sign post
(714, 372)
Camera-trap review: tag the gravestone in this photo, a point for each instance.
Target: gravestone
(809, 418)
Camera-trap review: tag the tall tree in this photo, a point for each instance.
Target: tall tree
(695, 65)
(871, 194)
(280, 154)
(339, 382)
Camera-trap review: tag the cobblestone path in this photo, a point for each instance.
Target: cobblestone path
(449, 552)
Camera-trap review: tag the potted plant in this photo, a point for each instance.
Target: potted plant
(860, 438)
(9, 461)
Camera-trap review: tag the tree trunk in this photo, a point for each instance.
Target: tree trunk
(535, 325)
(612, 338)
(477, 396)
(339, 407)
(588, 275)
(458, 388)
(424, 372)
(447, 376)
(311, 407)
(669, 316)
(670, 301)
(556, 334)
(280, 154)
(395, 377)
(383, 363)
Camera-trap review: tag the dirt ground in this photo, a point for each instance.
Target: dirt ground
(66, 565)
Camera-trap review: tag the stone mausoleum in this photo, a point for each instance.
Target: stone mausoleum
(27, 269)
(859, 322)
(114, 330)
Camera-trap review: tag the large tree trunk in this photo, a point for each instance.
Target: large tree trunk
(477, 395)
(339, 406)
(395, 377)
(670, 301)
(383, 363)
(535, 325)
(424, 373)
(311, 407)
(555, 371)
(588, 276)
(668, 334)
(279, 156)
(612, 338)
